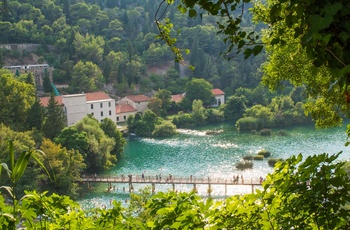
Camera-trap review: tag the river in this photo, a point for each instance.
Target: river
(193, 152)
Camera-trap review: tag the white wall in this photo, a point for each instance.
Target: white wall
(74, 107)
(102, 109)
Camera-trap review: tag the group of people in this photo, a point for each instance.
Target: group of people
(236, 179)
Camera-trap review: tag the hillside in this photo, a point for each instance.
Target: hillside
(117, 43)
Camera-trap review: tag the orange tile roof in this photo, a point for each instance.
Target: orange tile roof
(96, 96)
(45, 100)
(177, 97)
(124, 108)
(138, 98)
(217, 92)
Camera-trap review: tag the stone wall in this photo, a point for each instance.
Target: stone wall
(25, 46)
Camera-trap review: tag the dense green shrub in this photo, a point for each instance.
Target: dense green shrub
(258, 157)
(244, 165)
(248, 158)
(183, 120)
(264, 153)
(265, 132)
(282, 132)
(249, 123)
(165, 129)
(215, 116)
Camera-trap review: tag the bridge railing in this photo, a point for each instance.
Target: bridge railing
(170, 179)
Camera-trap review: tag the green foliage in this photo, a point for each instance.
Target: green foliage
(246, 164)
(15, 170)
(65, 165)
(258, 157)
(234, 107)
(55, 119)
(264, 153)
(309, 194)
(47, 84)
(265, 132)
(143, 124)
(273, 161)
(199, 113)
(111, 130)
(183, 120)
(164, 129)
(16, 98)
(85, 77)
(199, 89)
(35, 117)
(249, 123)
(71, 138)
(215, 116)
(98, 155)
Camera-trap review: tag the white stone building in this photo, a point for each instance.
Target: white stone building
(219, 97)
(138, 102)
(77, 106)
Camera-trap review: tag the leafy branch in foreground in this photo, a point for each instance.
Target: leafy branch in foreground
(14, 173)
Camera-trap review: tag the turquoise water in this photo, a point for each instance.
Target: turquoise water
(192, 152)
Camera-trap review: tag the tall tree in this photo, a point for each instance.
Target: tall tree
(55, 119)
(100, 145)
(111, 130)
(16, 98)
(199, 89)
(71, 138)
(66, 166)
(47, 84)
(35, 117)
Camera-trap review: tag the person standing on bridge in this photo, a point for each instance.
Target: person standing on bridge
(143, 176)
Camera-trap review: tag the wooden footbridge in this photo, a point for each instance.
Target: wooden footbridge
(170, 180)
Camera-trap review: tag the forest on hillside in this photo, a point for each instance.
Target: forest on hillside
(99, 43)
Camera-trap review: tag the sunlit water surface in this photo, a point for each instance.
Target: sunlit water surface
(192, 152)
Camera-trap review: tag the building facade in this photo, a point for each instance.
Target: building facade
(77, 106)
(130, 105)
(39, 71)
(219, 97)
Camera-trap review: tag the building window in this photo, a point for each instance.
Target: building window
(118, 118)
(92, 114)
(101, 113)
(101, 105)
(109, 104)
(124, 117)
(92, 106)
(110, 112)
(138, 102)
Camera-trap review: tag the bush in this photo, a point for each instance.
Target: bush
(215, 116)
(271, 162)
(254, 132)
(265, 132)
(244, 165)
(282, 132)
(165, 129)
(248, 158)
(183, 120)
(249, 123)
(264, 153)
(258, 157)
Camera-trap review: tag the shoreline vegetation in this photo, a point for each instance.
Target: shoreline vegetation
(144, 210)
